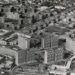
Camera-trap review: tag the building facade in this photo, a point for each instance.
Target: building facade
(23, 41)
(50, 41)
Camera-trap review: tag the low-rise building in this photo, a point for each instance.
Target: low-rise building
(12, 21)
(23, 41)
(15, 52)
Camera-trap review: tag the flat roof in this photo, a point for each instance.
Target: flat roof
(57, 29)
(8, 34)
(12, 38)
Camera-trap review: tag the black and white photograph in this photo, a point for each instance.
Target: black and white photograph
(37, 37)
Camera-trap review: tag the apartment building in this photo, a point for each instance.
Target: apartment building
(50, 41)
(23, 41)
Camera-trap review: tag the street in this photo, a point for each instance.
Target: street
(30, 73)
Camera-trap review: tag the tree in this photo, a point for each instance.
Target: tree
(39, 58)
(43, 17)
(13, 9)
(35, 10)
(22, 15)
(33, 19)
(26, 10)
(18, 1)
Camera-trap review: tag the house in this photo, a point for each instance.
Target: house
(3, 32)
(12, 15)
(9, 38)
(20, 39)
(12, 24)
(12, 21)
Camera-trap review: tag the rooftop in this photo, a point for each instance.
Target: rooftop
(15, 48)
(57, 30)
(42, 8)
(8, 34)
(12, 39)
(14, 21)
(26, 30)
